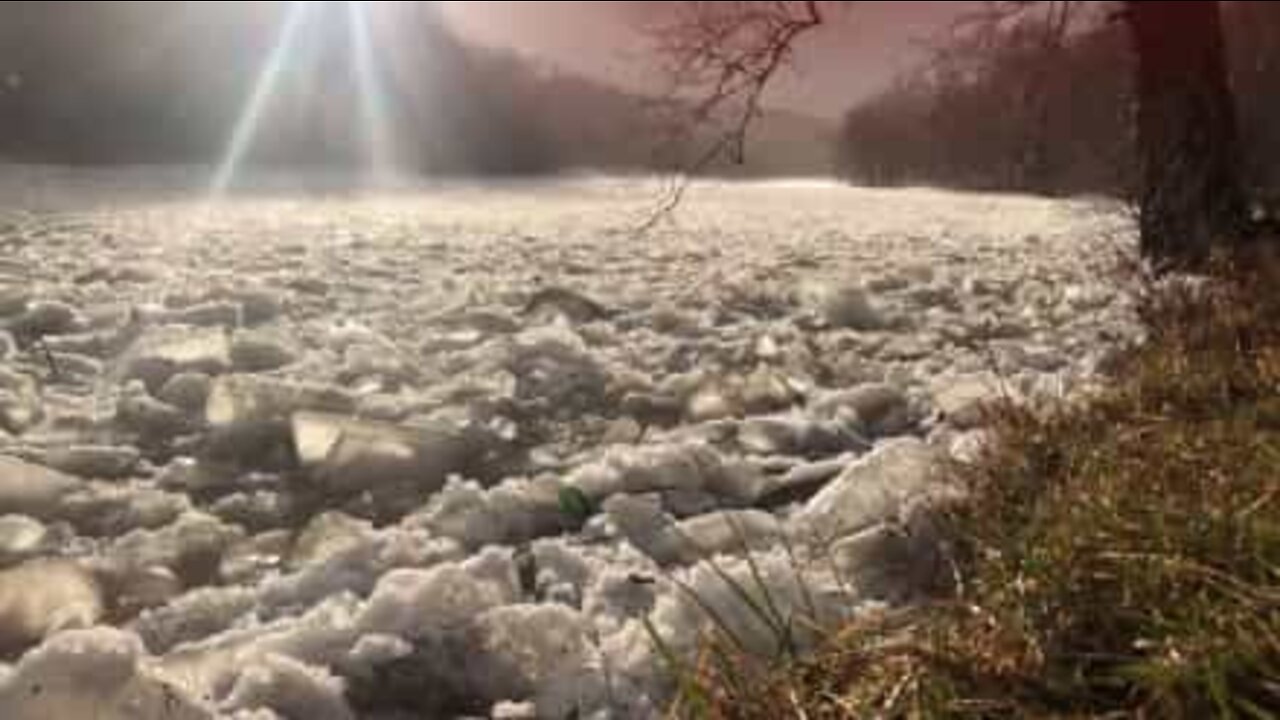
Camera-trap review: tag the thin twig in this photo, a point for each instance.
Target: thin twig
(49, 358)
(721, 59)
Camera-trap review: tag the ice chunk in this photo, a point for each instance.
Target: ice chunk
(376, 360)
(260, 352)
(246, 401)
(514, 711)
(101, 674)
(893, 561)
(188, 391)
(325, 536)
(99, 345)
(552, 303)
(414, 603)
(21, 408)
(800, 482)
(42, 597)
(557, 564)
(75, 369)
(657, 535)
(870, 491)
(400, 467)
(46, 318)
(22, 538)
(374, 650)
(877, 409)
(95, 462)
(250, 561)
(651, 408)
(107, 510)
(192, 547)
(849, 308)
(640, 470)
(355, 569)
(643, 522)
(768, 391)
(27, 489)
(797, 436)
(257, 509)
(555, 371)
(538, 652)
(153, 421)
(250, 419)
(322, 637)
(139, 589)
(163, 353)
(291, 689)
(196, 616)
(965, 400)
(730, 532)
(714, 401)
(789, 604)
(258, 306)
(969, 447)
(218, 315)
(13, 301)
(514, 512)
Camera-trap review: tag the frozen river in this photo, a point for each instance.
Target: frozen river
(443, 451)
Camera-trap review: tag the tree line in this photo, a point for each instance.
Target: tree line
(1005, 105)
(141, 82)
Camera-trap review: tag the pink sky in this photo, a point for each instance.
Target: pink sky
(864, 48)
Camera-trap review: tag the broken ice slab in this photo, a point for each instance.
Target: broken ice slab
(161, 354)
(13, 301)
(213, 315)
(244, 400)
(249, 420)
(21, 407)
(46, 318)
(22, 538)
(399, 465)
(32, 490)
(260, 352)
(95, 462)
(42, 598)
(643, 522)
(187, 391)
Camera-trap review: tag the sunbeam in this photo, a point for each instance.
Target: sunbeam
(247, 126)
(374, 116)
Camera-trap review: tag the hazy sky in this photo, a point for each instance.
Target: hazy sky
(863, 49)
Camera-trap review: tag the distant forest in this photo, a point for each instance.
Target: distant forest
(1007, 106)
(1003, 106)
(142, 82)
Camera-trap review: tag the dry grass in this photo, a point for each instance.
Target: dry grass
(1121, 558)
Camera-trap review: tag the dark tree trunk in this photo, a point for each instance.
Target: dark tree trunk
(1191, 198)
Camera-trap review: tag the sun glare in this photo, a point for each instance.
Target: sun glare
(374, 116)
(372, 119)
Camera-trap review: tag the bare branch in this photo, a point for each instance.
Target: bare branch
(721, 58)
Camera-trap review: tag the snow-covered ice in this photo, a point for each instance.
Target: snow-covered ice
(459, 451)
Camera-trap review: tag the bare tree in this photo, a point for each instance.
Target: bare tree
(1191, 196)
(721, 58)
(1191, 193)
(1049, 33)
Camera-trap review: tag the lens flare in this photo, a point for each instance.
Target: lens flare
(263, 91)
(374, 115)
